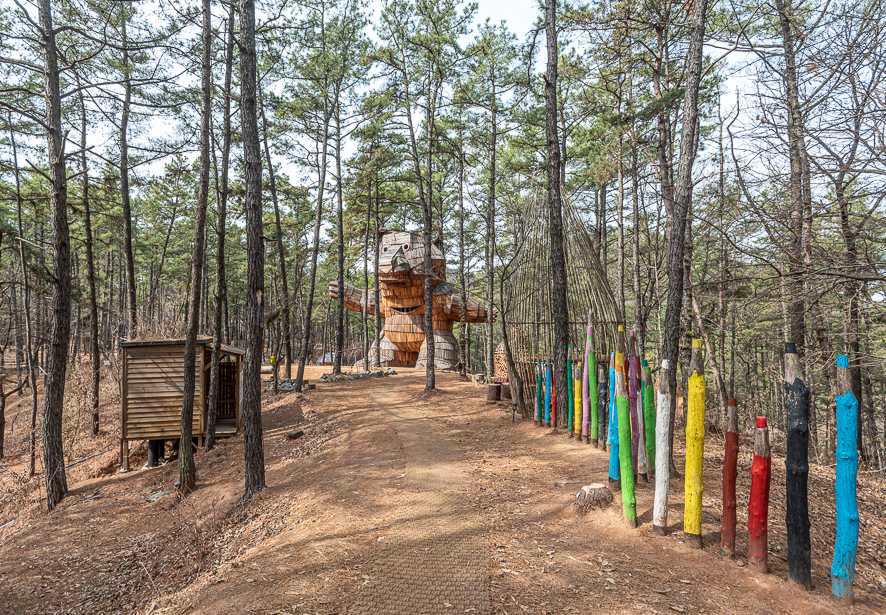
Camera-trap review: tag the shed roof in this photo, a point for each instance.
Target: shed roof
(203, 341)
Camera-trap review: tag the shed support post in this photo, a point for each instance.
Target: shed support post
(124, 455)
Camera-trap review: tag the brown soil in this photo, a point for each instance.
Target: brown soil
(365, 508)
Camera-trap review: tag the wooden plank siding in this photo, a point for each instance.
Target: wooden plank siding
(152, 387)
(153, 384)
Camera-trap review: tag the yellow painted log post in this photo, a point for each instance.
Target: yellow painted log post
(694, 448)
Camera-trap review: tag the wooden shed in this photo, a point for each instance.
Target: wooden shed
(152, 388)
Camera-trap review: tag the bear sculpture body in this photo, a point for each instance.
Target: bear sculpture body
(401, 303)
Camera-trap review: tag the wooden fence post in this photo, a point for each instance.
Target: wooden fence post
(628, 498)
(730, 472)
(662, 452)
(649, 416)
(614, 468)
(758, 506)
(570, 402)
(636, 380)
(694, 448)
(576, 396)
(846, 545)
(549, 377)
(797, 465)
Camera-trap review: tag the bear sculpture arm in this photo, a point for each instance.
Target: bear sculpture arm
(354, 297)
(450, 301)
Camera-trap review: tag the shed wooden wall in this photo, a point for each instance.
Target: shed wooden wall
(153, 384)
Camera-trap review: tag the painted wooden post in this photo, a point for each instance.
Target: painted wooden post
(592, 426)
(797, 465)
(636, 380)
(576, 396)
(589, 374)
(649, 417)
(846, 546)
(549, 377)
(630, 374)
(539, 395)
(662, 453)
(758, 506)
(730, 472)
(553, 397)
(570, 403)
(614, 468)
(694, 448)
(598, 422)
(628, 498)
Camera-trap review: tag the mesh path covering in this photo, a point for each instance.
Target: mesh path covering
(435, 558)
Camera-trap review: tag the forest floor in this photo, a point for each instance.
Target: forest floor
(395, 501)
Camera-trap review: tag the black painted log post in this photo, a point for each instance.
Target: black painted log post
(797, 464)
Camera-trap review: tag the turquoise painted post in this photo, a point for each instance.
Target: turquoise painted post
(549, 377)
(846, 546)
(614, 469)
(539, 401)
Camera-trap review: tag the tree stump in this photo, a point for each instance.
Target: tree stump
(493, 392)
(592, 497)
(506, 391)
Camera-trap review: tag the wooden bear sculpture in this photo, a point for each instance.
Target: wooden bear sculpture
(402, 305)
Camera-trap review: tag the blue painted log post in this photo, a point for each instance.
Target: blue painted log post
(846, 546)
(614, 469)
(797, 465)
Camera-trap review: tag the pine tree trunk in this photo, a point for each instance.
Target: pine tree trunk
(95, 357)
(558, 256)
(124, 184)
(221, 289)
(683, 201)
(340, 241)
(364, 312)
(255, 255)
(187, 468)
(60, 326)
(378, 331)
(490, 250)
(29, 346)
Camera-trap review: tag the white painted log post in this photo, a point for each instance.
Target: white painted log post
(662, 454)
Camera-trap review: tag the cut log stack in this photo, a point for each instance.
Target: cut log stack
(694, 448)
(730, 473)
(662, 454)
(758, 506)
(797, 465)
(846, 546)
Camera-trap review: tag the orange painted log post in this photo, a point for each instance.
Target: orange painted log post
(758, 507)
(730, 472)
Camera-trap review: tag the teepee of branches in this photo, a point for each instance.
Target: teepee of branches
(526, 315)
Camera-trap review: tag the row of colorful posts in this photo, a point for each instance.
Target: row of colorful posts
(638, 440)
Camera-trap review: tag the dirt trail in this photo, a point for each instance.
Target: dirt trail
(401, 501)
(434, 558)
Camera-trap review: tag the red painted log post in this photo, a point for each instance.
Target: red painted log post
(730, 472)
(758, 508)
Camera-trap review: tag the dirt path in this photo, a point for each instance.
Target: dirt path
(434, 558)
